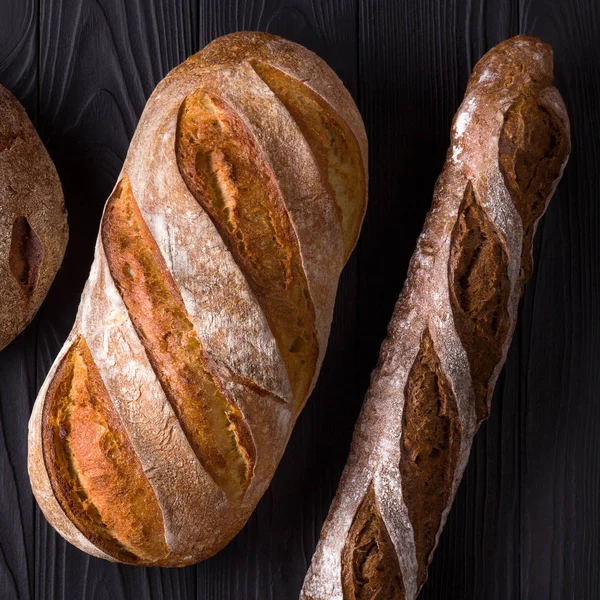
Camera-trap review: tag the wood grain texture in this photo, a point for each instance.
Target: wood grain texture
(18, 363)
(525, 523)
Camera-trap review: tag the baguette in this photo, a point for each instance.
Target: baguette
(33, 220)
(449, 333)
(204, 322)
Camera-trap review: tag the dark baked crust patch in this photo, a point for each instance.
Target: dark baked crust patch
(26, 255)
(479, 293)
(7, 140)
(370, 568)
(532, 150)
(430, 443)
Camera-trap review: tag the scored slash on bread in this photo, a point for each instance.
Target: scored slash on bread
(203, 324)
(450, 331)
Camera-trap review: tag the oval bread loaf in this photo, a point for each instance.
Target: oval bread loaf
(450, 331)
(33, 220)
(205, 318)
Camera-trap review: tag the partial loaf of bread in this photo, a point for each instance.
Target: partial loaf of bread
(450, 331)
(205, 318)
(33, 220)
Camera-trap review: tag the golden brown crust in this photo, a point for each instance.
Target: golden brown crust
(94, 472)
(213, 424)
(275, 59)
(33, 220)
(224, 170)
(210, 298)
(509, 145)
(335, 147)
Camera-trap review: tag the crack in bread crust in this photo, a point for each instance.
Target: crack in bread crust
(7, 141)
(331, 141)
(213, 424)
(370, 568)
(94, 472)
(224, 170)
(26, 255)
(430, 446)
(531, 151)
(479, 293)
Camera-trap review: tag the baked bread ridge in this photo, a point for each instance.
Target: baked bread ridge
(433, 383)
(117, 404)
(33, 220)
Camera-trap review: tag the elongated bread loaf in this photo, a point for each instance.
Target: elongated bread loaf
(205, 318)
(33, 220)
(450, 331)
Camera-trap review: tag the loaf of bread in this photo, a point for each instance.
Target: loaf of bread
(205, 318)
(33, 220)
(450, 331)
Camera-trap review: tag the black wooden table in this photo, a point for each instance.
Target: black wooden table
(525, 523)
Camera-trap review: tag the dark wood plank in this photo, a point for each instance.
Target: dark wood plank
(479, 550)
(99, 62)
(525, 522)
(560, 502)
(87, 88)
(531, 492)
(522, 522)
(415, 59)
(18, 73)
(269, 558)
(19, 51)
